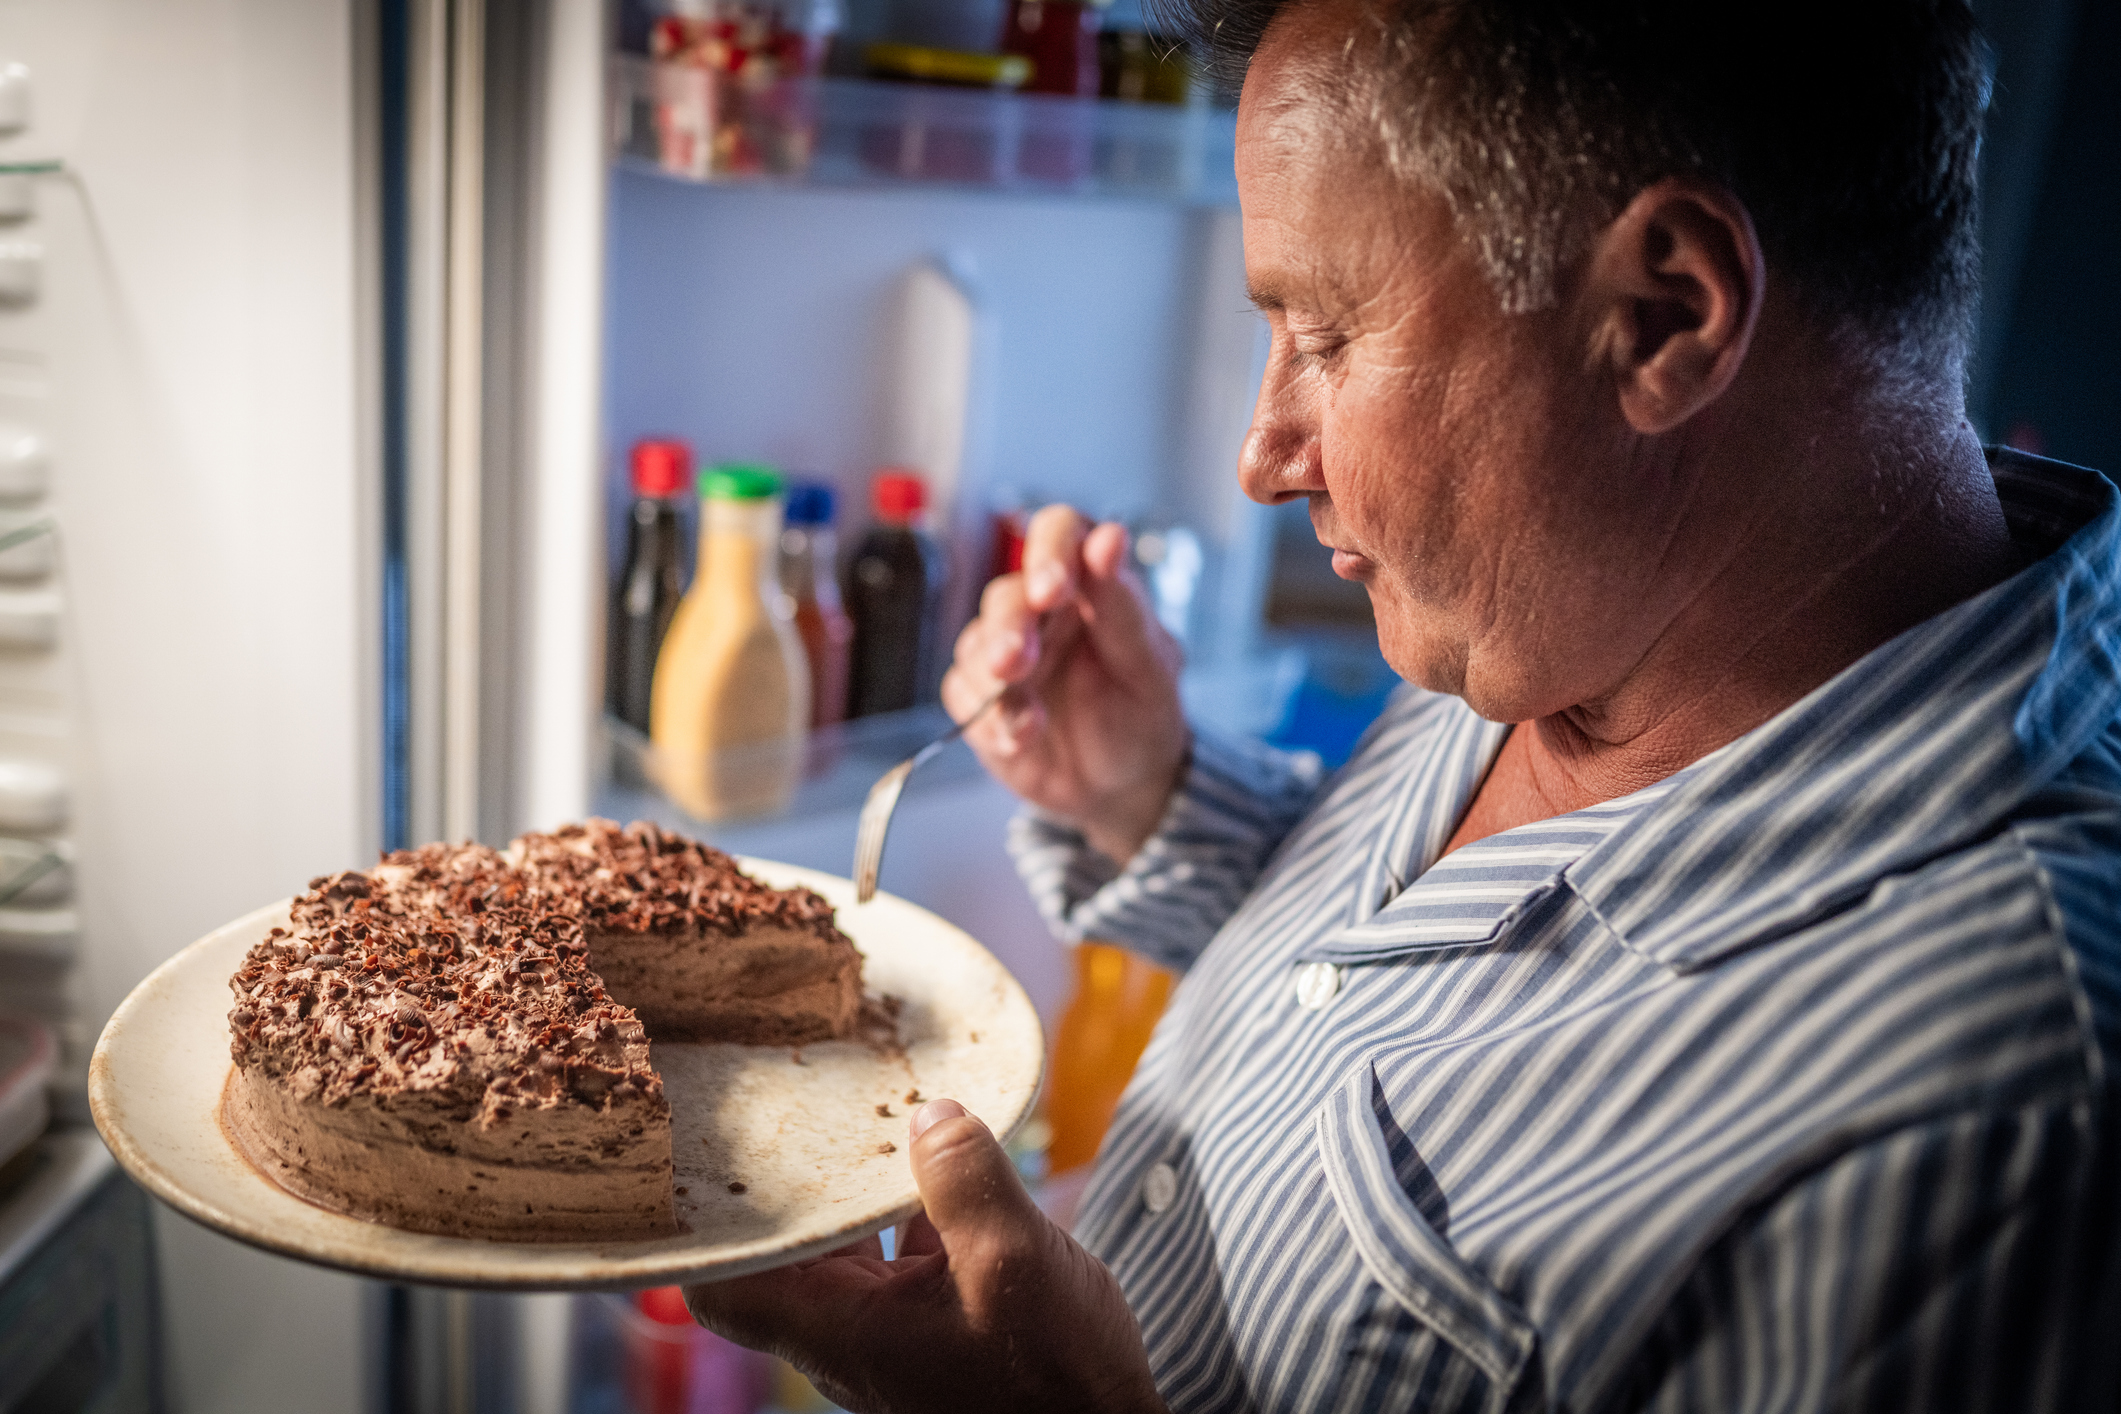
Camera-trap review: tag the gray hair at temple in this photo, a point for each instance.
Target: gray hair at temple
(1849, 130)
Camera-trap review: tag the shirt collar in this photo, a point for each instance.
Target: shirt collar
(1473, 894)
(1921, 747)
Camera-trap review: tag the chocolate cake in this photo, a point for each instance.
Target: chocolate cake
(457, 1040)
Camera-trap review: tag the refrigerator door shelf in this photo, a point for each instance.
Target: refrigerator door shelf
(33, 555)
(25, 464)
(21, 272)
(40, 987)
(841, 762)
(860, 133)
(35, 873)
(29, 618)
(33, 796)
(14, 98)
(53, 933)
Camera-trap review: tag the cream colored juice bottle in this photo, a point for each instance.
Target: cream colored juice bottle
(730, 705)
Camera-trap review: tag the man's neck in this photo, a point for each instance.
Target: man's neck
(1860, 536)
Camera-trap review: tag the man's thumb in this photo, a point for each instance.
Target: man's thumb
(968, 1185)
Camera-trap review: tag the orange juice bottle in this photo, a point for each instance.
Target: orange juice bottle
(1118, 997)
(730, 706)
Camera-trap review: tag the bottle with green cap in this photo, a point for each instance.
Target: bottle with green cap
(730, 706)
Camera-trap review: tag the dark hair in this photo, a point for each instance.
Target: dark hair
(1850, 132)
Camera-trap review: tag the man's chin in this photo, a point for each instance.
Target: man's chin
(1417, 653)
(1417, 647)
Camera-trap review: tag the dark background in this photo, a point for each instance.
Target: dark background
(2047, 367)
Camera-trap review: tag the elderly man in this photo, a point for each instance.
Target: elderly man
(1702, 989)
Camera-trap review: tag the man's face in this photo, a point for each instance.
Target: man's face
(1470, 468)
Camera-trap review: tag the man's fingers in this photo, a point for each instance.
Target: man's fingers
(968, 1186)
(1007, 625)
(918, 1237)
(931, 1114)
(1053, 556)
(968, 683)
(1128, 638)
(1065, 558)
(870, 1248)
(789, 1308)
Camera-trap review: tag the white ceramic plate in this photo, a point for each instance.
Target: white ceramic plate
(819, 1165)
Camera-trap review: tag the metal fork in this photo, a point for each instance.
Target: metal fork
(1056, 635)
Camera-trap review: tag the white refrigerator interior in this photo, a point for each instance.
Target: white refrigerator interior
(189, 721)
(191, 660)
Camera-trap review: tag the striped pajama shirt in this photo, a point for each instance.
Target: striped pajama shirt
(1784, 1084)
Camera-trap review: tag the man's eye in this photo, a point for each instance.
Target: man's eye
(1314, 351)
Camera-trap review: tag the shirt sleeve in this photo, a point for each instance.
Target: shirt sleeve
(1965, 1265)
(1235, 802)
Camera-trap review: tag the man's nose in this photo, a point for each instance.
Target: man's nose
(1280, 460)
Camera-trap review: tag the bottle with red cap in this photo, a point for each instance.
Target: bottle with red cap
(649, 588)
(894, 596)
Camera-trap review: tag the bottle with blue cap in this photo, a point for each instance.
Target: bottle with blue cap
(730, 708)
(809, 561)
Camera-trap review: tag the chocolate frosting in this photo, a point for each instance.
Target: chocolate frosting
(645, 880)
(462, 972)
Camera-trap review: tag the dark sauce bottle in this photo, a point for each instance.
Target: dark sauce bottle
(649, 589)
(894, 594)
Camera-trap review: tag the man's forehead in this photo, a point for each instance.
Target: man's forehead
(1289, 88)
(1309, 211)
(1322, 215)
(1308, 164)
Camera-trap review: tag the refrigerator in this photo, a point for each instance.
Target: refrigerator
(325, 326)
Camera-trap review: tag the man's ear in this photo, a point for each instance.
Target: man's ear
(1675, 284)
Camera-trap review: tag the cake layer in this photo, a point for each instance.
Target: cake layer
(769, 987)
(557, 1171)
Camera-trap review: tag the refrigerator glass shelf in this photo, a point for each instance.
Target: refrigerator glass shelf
(841, 763)
(691, 125)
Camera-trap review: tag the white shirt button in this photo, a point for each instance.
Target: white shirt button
(1316, 982)
(1160, 1188)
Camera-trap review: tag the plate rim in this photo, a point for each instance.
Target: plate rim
(665, 1264)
